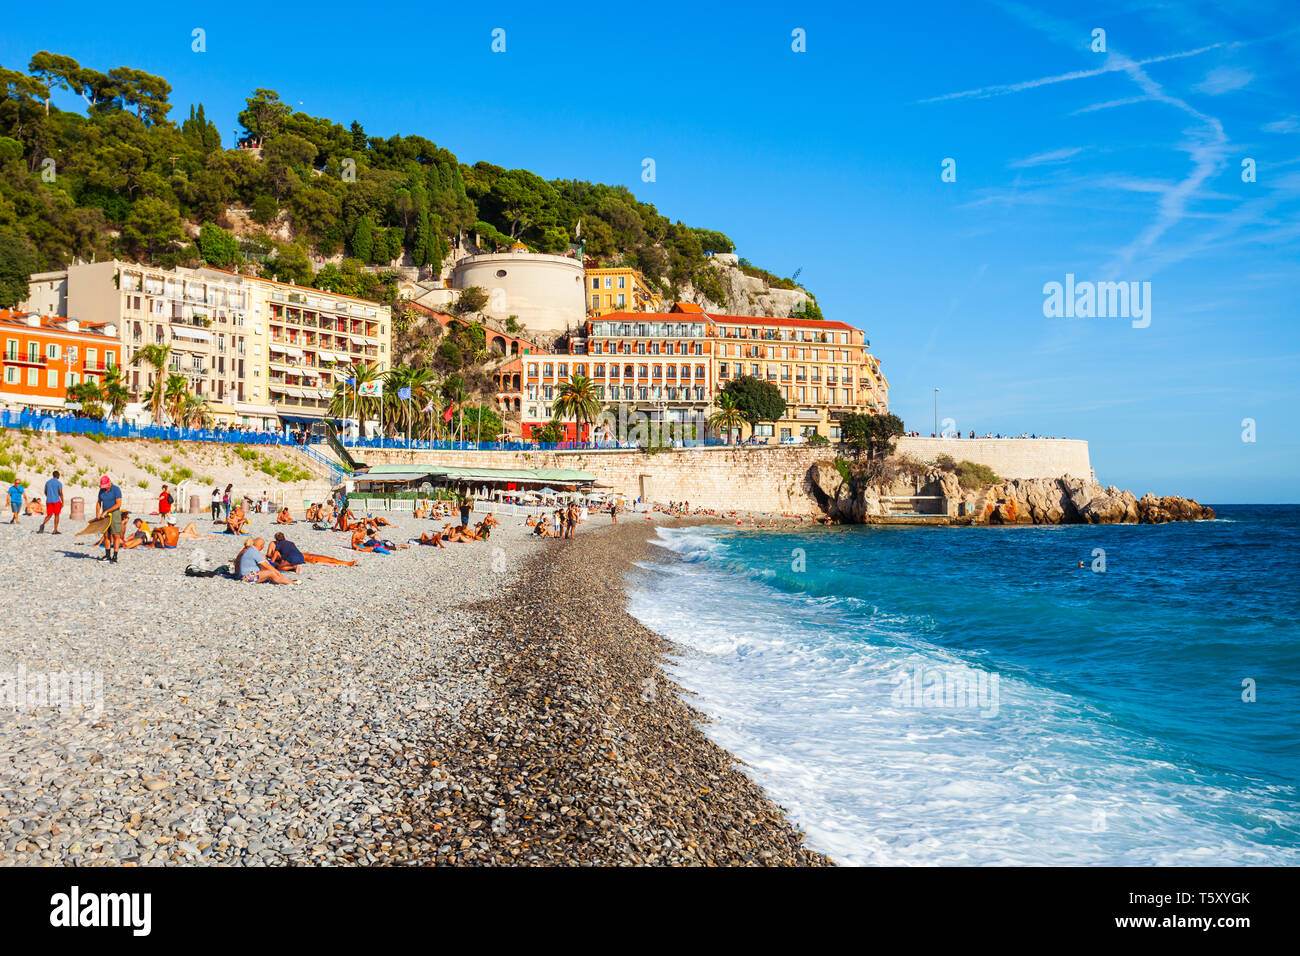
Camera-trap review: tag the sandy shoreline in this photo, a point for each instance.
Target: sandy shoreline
(490, 703)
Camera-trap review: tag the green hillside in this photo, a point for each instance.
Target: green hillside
(125, 178)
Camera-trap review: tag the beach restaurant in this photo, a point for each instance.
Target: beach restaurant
(482, 482)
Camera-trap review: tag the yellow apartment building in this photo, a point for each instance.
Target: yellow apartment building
(618, 289)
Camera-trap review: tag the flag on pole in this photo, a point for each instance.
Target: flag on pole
(351, 381)
(429, 407)
(446, 416)
(404, 393)
(371, 388)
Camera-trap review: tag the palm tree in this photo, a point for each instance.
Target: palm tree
(115, 393)
(89, 397)
(345, 403)
(156, 357)
(195, 412)
(728, 416)
(175, 392)
(454, 391)
(579, 399)
(403, 413)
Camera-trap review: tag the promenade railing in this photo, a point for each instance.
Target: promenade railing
(75, 425)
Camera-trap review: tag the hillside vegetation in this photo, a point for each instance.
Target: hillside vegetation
(127, 179)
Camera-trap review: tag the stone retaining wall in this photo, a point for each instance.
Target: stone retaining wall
(754, 479)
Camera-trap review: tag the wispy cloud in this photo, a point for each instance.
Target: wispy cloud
(1113, 65)
(1287, 124)
(1051, 157)
(1225, 79)
(1111, 104)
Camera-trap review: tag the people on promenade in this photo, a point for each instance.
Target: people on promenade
(53, 503)
(109, 503)
(16, 498)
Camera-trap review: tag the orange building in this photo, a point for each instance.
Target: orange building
(43, 355)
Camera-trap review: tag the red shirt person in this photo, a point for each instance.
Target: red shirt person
(165, 501)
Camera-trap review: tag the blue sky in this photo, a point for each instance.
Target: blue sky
(1123, 165)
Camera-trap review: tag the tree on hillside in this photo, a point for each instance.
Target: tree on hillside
(871, 434)
(264, 114)
(218, 247)
(151, 230)
(758, 400)
(17, 263)
(471, 300)
(363, 240)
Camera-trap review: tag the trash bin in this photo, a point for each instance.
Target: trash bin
(76, 509)
(195, 505)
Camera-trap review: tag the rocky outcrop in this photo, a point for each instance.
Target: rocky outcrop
(852, 497)
(745, 295)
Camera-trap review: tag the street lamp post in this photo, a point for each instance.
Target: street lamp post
(936, 411)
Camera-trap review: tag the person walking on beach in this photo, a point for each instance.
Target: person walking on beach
(16, 499)
(53, 503)
(110, 503)
(225, 500)
(216, 504)
(466, 506)
(165, 502)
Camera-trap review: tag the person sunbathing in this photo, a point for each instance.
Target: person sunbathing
(344, 521)
(189, 531)
(491, 521)
(284, 554)
(418, 513)
(165, 536)
(314, 512)
(34, 507)
(140, 534)
(433, 540)
(237, 522)
(482, 531)
(283, 517)
(362, 542)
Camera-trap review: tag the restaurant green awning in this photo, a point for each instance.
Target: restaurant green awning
(408, 472)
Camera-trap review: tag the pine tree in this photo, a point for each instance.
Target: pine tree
(363, 240)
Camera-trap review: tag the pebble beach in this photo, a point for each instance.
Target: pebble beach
(491, 703)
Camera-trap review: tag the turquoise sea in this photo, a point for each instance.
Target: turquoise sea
(971, 696)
